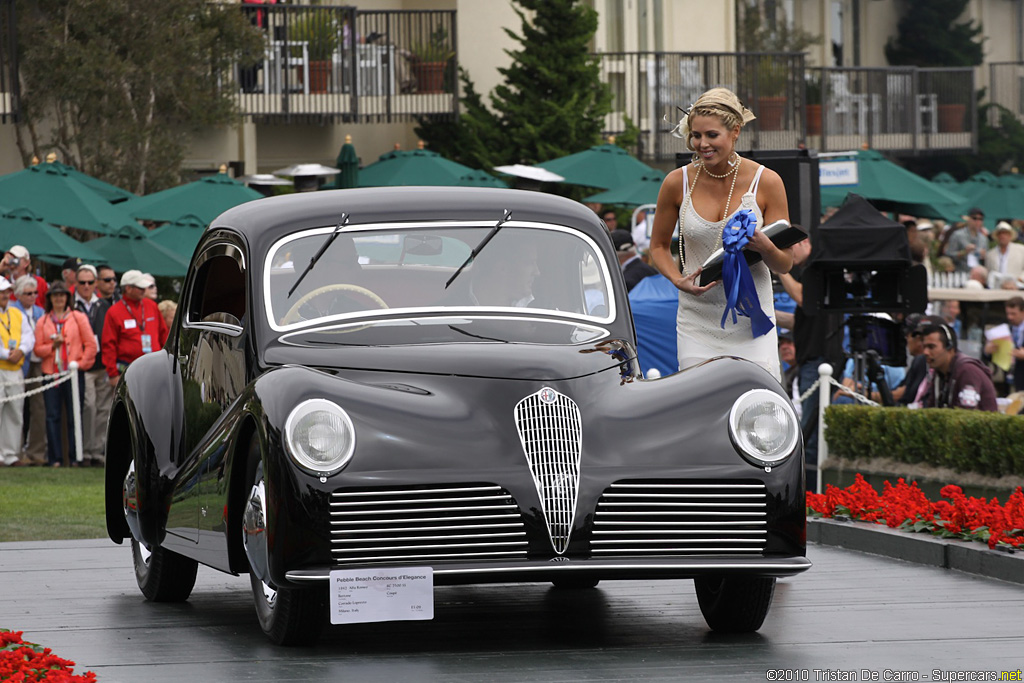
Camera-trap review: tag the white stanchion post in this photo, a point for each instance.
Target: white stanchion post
(76, 410)
(824, 398)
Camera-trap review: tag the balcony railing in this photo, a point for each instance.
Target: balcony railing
(904, 110)
(1006, 89)
(9, 99)
(394, 66)
(900, 109)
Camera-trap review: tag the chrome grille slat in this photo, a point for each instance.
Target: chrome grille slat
(420, 557)
(410, 520)
(412, 492)
(402, 529)
(678, 523)
(551, 433)
(423, 523)
(419, 501)
(438, 537)
(671, 551)
(680, 518)
(647, 503)
(384, 511)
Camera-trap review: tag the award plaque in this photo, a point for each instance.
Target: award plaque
(780, 232)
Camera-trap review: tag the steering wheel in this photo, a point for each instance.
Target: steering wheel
(293, 313)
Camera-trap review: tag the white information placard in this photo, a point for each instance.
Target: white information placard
(365, 595)
(838, 173)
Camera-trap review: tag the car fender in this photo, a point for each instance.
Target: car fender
(145, 428)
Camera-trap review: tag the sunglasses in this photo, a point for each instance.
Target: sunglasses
(32, 293)
(108, 279)
(86, 282)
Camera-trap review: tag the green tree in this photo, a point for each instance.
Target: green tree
(928, 34)
(552, 101)
(763, 31)
(116, 86)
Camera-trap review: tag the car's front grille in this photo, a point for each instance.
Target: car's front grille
(680, 518)
(425, 524)
(551, 433)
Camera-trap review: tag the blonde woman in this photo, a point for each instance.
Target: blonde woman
(698, 201)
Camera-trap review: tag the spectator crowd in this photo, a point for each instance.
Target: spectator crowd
(90, 317)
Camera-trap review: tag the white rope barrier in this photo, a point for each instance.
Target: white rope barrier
(824, 400)
(49, 382)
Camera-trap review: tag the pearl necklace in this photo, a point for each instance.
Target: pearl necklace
(735, 167)
(686, 203)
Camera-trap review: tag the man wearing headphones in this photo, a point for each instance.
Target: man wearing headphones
(955, 380)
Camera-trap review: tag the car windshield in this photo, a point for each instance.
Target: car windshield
(386, 270)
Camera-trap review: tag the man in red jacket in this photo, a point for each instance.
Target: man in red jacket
(133, 326)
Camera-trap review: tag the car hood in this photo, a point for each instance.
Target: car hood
(509, 360)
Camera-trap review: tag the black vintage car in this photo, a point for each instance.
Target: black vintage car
(441, 380)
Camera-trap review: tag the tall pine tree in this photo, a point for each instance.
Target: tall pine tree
(551, 103)
(928, 35)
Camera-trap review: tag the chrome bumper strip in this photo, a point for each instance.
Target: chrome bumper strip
(611, 570)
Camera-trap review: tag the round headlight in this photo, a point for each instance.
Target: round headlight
(764, 427)
(319, 436)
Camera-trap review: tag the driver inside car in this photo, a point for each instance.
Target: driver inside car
(504, 274)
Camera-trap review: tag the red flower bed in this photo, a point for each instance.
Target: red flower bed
(21, 661)
(906, 507)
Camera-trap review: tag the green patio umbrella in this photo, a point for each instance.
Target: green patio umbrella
(130, 247)
(112, 193)
(180, 236)
(479, 178)
(206, 198)
(605, 166)
(22, 226)
(348, 167)
(643, 190)
(946, 180)
(51, 191)
(412, 167)
(890, 187)
(1002, 198)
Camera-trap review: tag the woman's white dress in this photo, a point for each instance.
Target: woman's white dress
(699, 335)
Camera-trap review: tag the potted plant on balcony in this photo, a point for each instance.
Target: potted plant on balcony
(429, 61)
(770, 86)
(812, 88)
(320, 34)
(954, 94)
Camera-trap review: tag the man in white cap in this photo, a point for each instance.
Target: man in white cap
(1005, 261)
(133, 326)
(17, 262)
(16, 342)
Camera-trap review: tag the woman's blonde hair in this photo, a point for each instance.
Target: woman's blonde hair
(721, 103)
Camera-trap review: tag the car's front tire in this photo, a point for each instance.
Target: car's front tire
(734, 604)
(289, 616)
(163, 575)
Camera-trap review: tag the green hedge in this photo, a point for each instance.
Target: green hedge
(965, 440)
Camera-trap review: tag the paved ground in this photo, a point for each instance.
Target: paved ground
(852, 611)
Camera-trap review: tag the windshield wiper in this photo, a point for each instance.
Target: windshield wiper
(480, 247)
(323, 247)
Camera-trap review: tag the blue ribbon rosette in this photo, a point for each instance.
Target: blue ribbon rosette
(740, 292)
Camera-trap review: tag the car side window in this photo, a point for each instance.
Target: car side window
(218, 290)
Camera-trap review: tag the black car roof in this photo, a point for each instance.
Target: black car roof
(265, 220)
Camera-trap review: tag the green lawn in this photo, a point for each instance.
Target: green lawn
(44, 504)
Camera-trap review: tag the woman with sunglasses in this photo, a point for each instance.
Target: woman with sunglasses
(63, 336)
